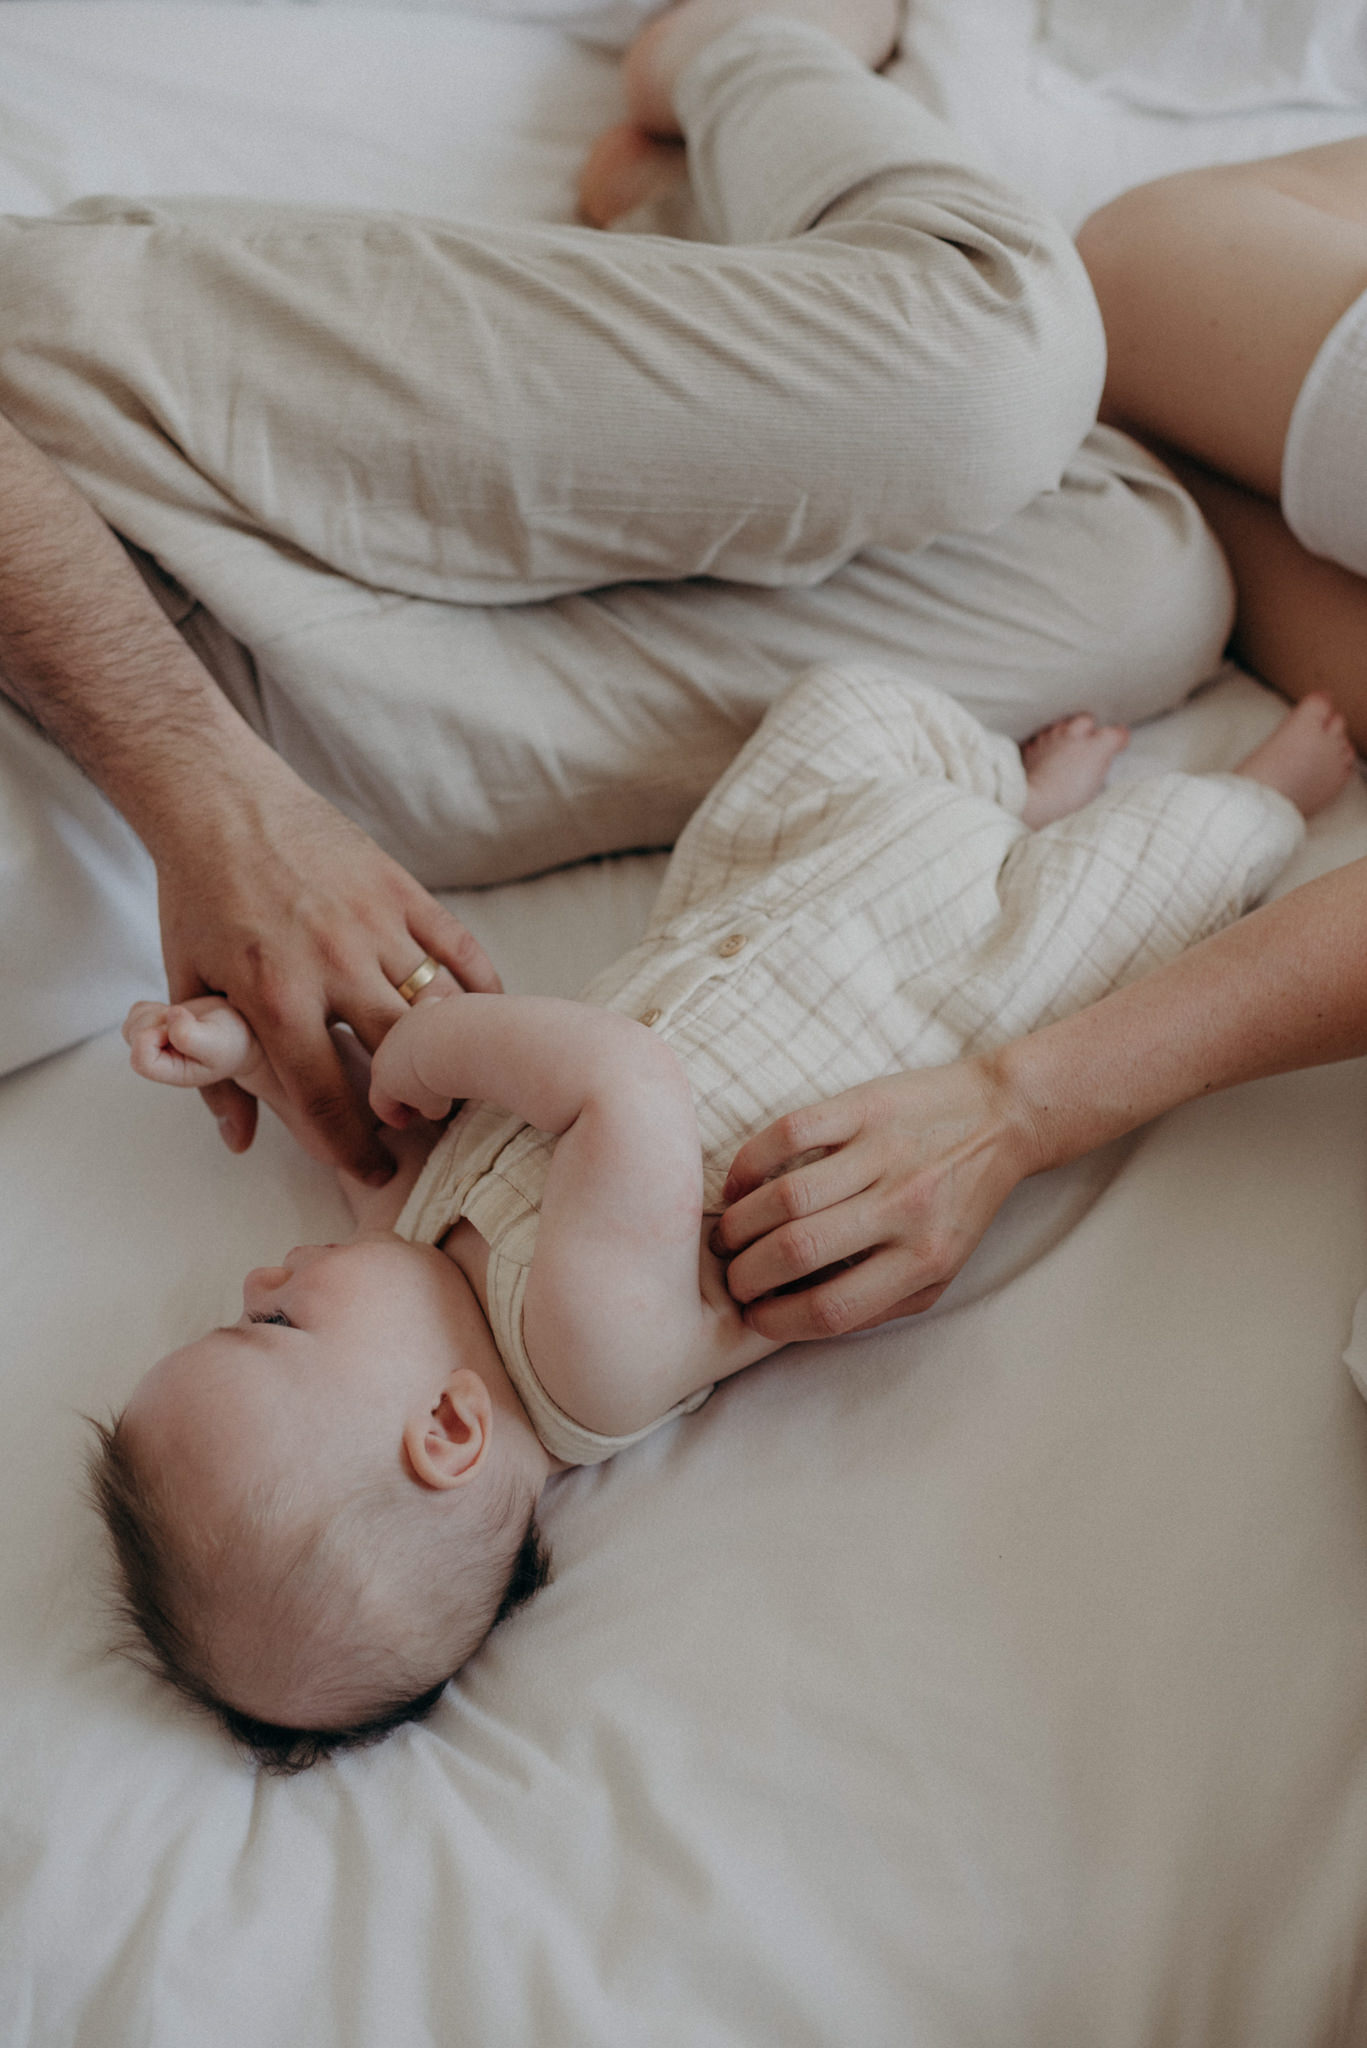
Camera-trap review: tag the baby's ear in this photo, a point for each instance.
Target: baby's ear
(446, 1446)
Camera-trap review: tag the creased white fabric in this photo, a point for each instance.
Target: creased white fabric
(998, 1677)
(1215, 56)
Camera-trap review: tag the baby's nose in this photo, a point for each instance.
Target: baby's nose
(263, 1280)
(304, 1254)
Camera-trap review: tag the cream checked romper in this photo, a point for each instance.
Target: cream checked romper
(859, 896)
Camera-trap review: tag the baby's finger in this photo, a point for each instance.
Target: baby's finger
(389, 1109)
(147, 1052)
(143, 1017)
(212, 1036)
(805, 1191)
(397, 1106)
(802, 1130)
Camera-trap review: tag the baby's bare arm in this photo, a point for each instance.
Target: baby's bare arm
(613, 1308)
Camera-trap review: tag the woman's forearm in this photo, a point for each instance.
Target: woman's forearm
(1283, 988)
(849, 1212)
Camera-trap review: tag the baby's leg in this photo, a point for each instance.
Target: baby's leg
(1066, 766)
(1308, 758)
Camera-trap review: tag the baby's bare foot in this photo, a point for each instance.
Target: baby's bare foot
(1308, 758)
(1066, 766)
(663, 51)
(625, 168)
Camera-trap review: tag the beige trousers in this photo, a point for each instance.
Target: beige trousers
(507, 536)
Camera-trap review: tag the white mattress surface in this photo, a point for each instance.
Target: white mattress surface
(996, 1678)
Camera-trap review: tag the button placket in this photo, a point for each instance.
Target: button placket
(689, 970)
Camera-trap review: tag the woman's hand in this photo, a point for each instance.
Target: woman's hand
(907, 1174)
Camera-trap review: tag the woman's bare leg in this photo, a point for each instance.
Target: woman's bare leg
(1301, 622)
(1218, 288)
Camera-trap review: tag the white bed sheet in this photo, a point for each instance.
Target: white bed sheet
(1000, 1678)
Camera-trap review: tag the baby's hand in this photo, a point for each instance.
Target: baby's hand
(191, 1044)
(397, 1088)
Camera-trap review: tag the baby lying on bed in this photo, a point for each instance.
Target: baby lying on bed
(322, 1509)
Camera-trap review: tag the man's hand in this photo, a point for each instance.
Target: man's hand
(270, 897)
(907, 1174)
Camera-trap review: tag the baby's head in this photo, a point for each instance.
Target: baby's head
(321, 1510)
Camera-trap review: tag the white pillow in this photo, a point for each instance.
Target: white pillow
(611, 23)
(1214, 56)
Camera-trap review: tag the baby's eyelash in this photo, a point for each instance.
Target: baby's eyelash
(274, 1315)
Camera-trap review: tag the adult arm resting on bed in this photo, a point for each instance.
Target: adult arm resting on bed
(266, 893)
(920, 1163)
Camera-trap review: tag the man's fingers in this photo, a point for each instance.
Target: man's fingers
(311, 1073)
(234, 1111)
(372, 1015)
(440, 933)
(856, 1298)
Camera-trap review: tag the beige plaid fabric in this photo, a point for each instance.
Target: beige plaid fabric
(858, 896)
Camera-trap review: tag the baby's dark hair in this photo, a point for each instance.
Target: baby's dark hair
(159, 1635)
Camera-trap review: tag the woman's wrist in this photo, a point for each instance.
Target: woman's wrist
(1055, 1102)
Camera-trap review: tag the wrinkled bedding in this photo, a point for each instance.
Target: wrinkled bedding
(999, 1677)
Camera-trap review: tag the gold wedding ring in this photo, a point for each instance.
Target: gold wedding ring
(426, 970)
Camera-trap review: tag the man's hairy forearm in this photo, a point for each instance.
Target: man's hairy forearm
(1284, 988)
(86, 651)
